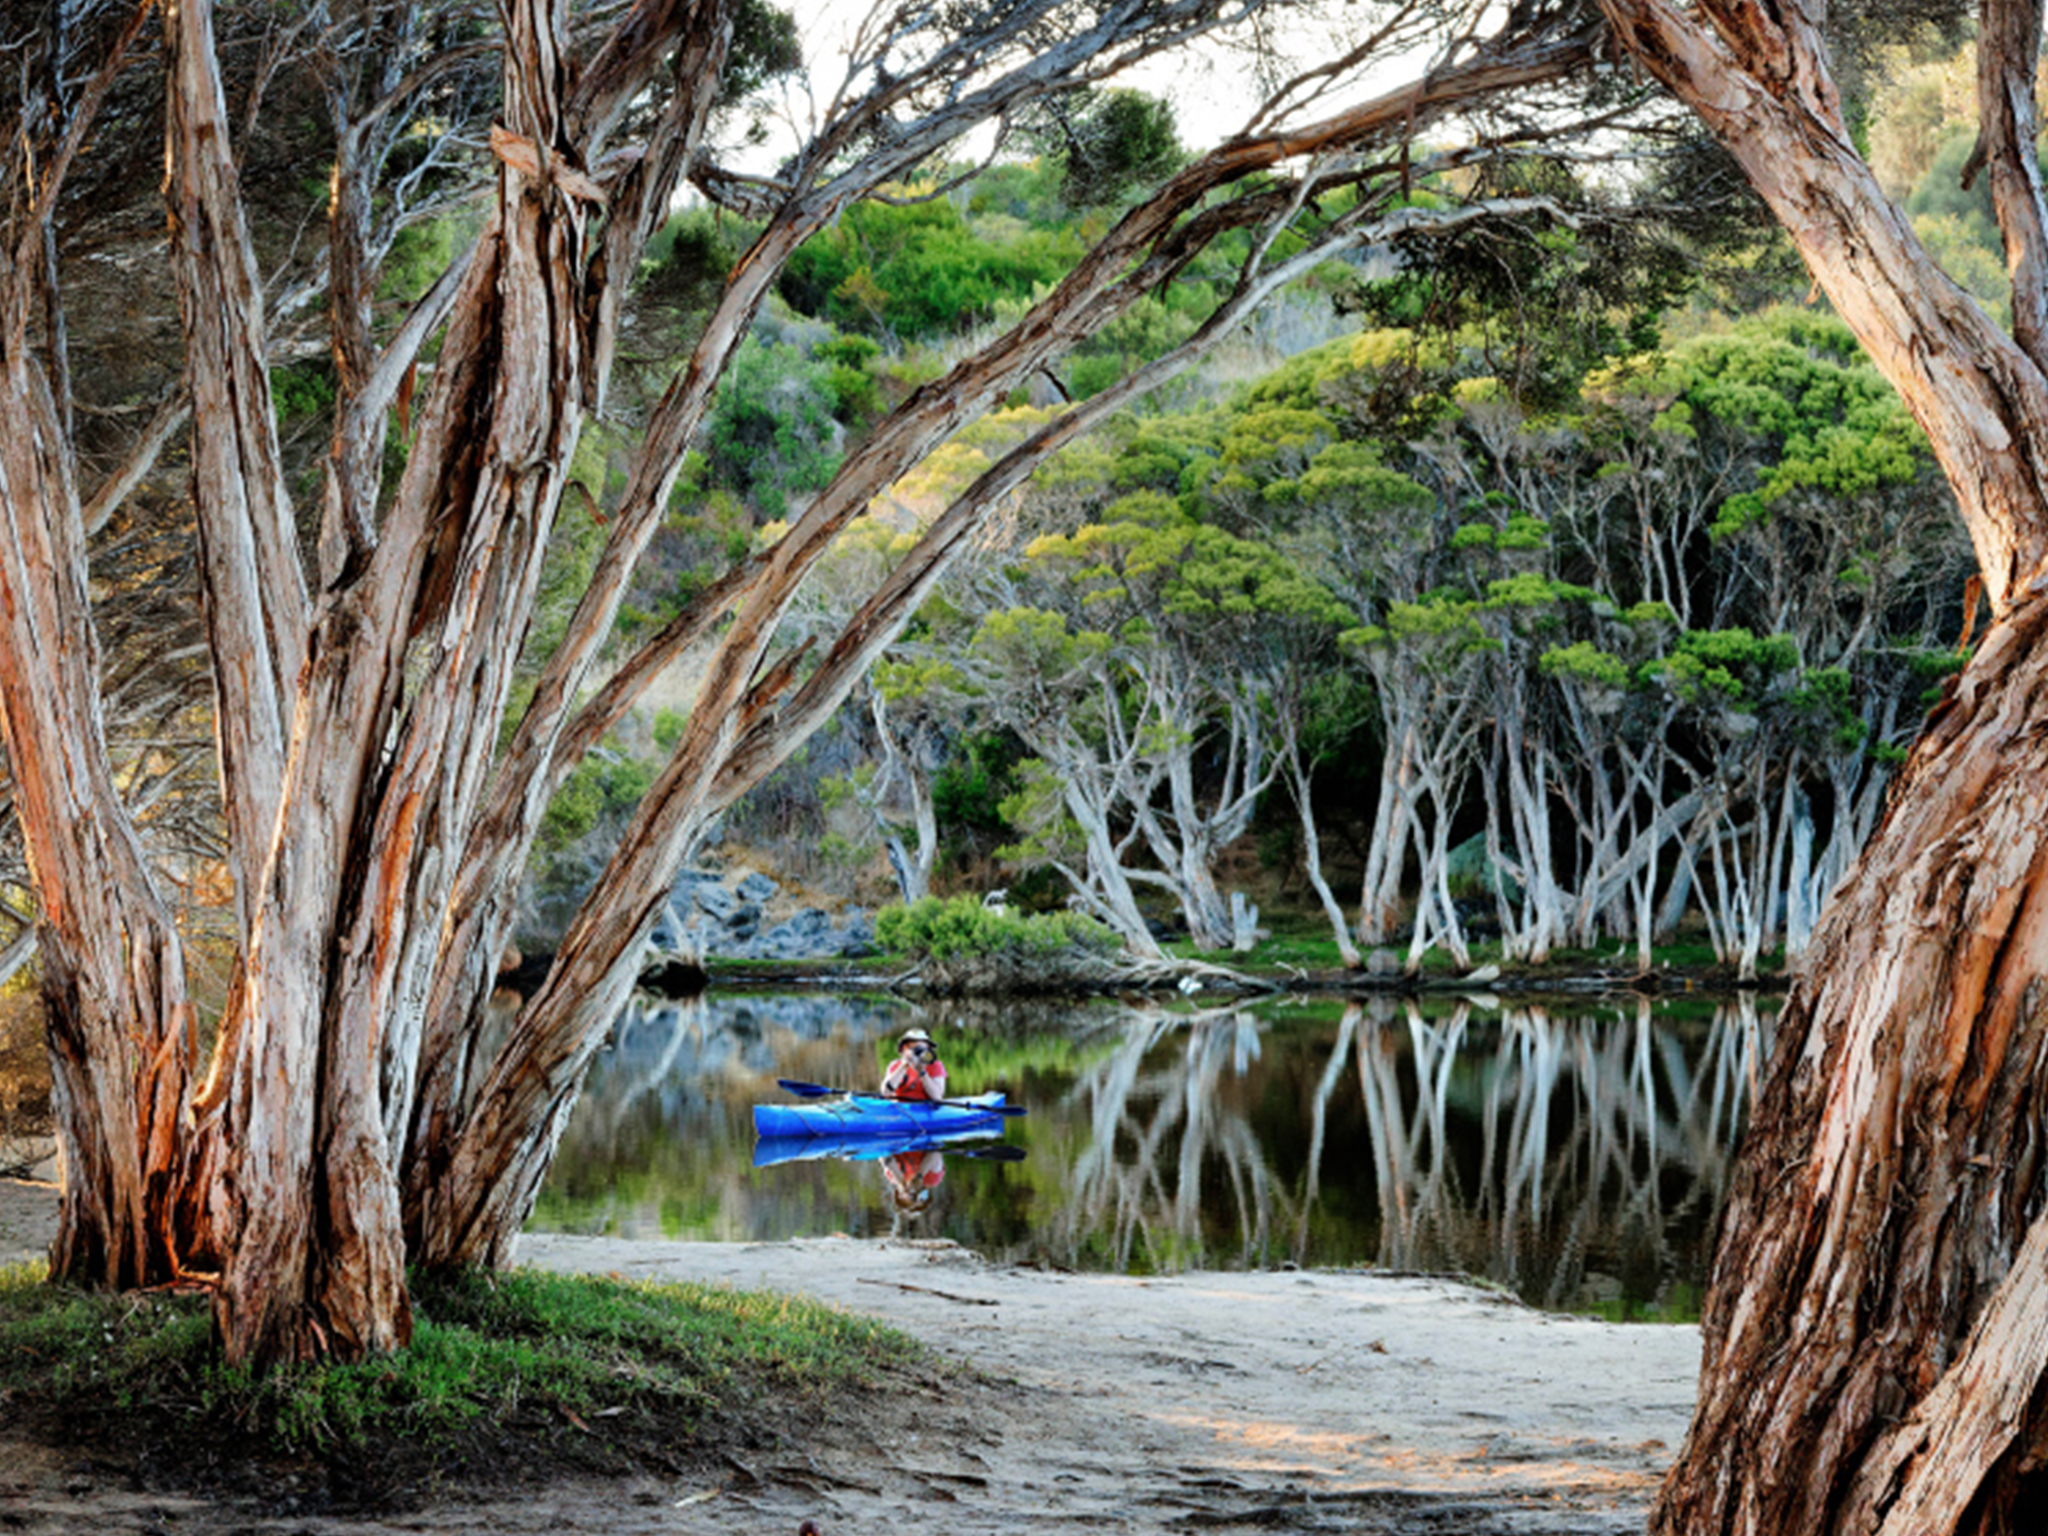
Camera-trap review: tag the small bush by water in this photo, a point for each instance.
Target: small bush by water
(968, 947)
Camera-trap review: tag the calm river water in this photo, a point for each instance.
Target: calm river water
(1577, 1157)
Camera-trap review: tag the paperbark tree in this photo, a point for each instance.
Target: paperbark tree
(1874, 1353)
(355, 1110)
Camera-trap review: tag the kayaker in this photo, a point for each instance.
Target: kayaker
(917, 1072)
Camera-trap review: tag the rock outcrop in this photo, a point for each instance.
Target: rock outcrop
(741, 914)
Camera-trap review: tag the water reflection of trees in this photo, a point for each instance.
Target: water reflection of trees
(1569, 1158)
(1148, 1116)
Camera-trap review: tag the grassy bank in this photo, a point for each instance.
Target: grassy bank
(510, 1379)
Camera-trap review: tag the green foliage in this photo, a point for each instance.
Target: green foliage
(765, 46)
(1088, 376)
(301, 390)
(1801, 381)
(770, 433)
(1919, 99)
(484, 1347)
(1113, 144)
(686, 263)
(668, 728)
(949, 928)
(969, 788)
(1037, 809)
(602, 785)
(1032, 643)
(419, 254)
(1940, 193)
(1530, 592)
(1730, 666)
(1148, 329)
(1440, 624)
(919, 270)
(1535, 302)
(1587, 663)
(1825, 701)
(1376, 375)
(1147, 553)
(1970, 253)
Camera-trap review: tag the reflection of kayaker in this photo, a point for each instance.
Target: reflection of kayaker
(917, 1072)
(911, 1177)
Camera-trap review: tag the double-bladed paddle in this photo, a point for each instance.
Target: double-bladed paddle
(820, 1091)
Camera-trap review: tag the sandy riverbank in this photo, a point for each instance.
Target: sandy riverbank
(1305, 1401)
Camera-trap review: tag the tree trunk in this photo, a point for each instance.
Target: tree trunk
(1393, 828)
(1876, 1254)
(1870, 1255)
(119, 1025)
(1312, 855)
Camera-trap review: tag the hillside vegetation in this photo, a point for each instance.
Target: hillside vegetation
(1544, 592)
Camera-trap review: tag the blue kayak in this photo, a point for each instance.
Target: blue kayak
(865, 1114)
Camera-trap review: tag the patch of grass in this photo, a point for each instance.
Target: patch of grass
(1681, 1304)
(1306, 952)
(521, 1375)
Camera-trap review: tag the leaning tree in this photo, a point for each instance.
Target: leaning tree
(1875, 1341)
(356, 1105)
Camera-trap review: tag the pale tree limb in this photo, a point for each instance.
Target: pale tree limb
(255, 595)
(175, 411)
(2009, 129)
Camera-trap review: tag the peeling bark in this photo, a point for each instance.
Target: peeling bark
(1865, 1367)
(119, 1024)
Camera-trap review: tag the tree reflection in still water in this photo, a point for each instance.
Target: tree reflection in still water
(1151, 1113)
(1578, 1157)
(1566, 1157)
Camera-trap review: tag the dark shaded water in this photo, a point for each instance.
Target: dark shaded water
(1579, 1158)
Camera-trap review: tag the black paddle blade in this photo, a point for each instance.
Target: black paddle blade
(999, 1153)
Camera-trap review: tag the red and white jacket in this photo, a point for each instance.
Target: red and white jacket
(905, 1080)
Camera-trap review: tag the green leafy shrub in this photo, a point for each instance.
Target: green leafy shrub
(600, 786)
(968, 947)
